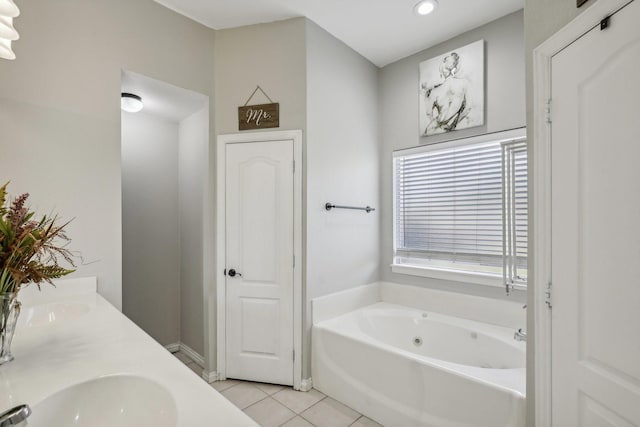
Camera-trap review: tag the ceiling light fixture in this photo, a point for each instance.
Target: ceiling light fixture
(8, 11)
(425, 7)
(130, 103)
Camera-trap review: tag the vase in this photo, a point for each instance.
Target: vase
(9, 311)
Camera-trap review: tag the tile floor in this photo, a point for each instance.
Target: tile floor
(275, 405)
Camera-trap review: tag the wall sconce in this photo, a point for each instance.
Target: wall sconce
(8, 11)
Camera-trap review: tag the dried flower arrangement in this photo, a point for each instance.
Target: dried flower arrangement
(29, 253)
(30, 249)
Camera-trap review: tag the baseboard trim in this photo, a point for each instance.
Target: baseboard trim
(306, 384)
(173, 348)
(188, 351)
(192, 354)
(210, 377)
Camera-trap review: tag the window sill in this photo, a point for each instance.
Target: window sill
(443, 274)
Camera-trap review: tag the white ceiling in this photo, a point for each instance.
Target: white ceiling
(382, 31)
(162, 99)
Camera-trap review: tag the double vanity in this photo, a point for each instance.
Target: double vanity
(80, 362)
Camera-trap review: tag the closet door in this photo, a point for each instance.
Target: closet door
(596, 226)
(260, 265)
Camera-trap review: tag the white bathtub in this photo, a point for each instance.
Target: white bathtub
(408, 368)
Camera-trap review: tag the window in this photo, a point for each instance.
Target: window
(461, 209)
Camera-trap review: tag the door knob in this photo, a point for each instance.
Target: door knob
(232, 273)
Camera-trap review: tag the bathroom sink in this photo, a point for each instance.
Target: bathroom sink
(111, 401)
(46, 314)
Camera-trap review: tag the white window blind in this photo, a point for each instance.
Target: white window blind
(464, 208)
(515, 212)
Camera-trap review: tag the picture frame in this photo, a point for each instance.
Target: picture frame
(452, 90)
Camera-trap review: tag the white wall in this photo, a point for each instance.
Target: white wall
(193, 155)
(150, 226)
(505, 109)
(343, 144)
(60, 115)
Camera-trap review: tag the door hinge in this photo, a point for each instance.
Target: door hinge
(294, 166)
(547, 296)
(294, 261)
(293, 354)
(548, 111)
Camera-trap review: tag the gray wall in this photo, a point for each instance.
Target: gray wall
(163, 172)
(343, 247)
(505, 109)
(60, 114)
(272, 56)
(193, 153)
(151, 257)
(330, 92)
(542, 19)
(75, 146)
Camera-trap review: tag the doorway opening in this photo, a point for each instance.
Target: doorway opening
(165, 212)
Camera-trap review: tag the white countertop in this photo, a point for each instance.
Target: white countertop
(102, 342)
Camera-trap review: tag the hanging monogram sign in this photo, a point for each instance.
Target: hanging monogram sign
(261, 116)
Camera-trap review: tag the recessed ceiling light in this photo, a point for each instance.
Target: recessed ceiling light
(130, 103)
(425, 7)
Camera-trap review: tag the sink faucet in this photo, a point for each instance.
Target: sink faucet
(518, 336)
(14, 416)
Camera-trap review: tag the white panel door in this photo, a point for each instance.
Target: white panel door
(596, 226)
(259, 261)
